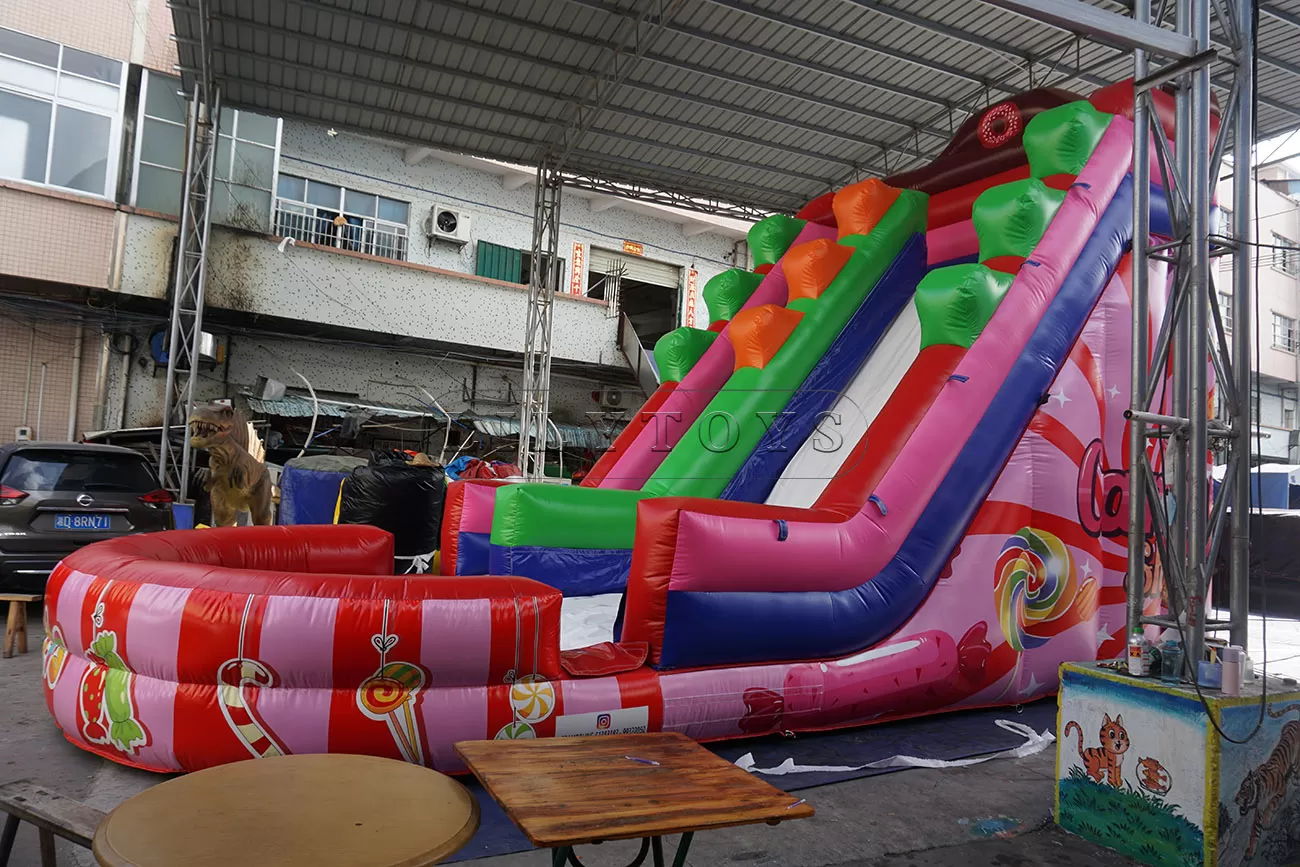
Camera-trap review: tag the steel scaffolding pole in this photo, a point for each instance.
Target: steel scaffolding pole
(1243, 275)
(1136, 577)
(1197, 355)
(188, 284)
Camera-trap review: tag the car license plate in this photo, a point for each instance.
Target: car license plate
(82, 522)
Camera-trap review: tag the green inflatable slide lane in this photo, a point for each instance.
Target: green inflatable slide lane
(714, 447)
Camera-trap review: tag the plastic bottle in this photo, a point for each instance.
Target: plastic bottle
(1171, 661)
(1139, 654)
(1231, 670)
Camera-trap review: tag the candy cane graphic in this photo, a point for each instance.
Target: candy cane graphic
(239, 707)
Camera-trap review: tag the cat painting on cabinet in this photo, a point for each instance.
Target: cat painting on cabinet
(1104, 761)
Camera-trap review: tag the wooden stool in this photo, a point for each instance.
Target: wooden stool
(50, 812)
(16, 625)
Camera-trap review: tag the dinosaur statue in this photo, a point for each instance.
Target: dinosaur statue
(236, 480)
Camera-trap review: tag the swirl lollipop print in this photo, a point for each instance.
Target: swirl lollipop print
(389, 695)
(1036, 589)
(1037, 593)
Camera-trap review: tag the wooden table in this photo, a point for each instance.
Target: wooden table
(565, 792)
(311, 810)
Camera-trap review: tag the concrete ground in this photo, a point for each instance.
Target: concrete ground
(997, 813)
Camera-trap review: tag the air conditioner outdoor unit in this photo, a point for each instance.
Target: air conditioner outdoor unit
(611, 398)
(447, 224)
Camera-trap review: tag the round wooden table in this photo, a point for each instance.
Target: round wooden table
(317, 810)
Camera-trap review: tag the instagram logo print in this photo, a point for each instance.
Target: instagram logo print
(604, 721)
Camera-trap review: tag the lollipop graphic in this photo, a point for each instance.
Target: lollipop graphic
(532, 698)
(389, 695)
(1037, 593)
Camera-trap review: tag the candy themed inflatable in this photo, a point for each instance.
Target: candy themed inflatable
(888, 480)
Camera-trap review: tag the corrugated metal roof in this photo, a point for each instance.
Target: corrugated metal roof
(762, 103)
(295, 406)
(575, 436)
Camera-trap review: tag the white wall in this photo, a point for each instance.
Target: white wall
(380, 375)
(247, 273)
(1278, 292)
(499, 216)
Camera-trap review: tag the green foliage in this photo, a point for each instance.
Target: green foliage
(1130, 821)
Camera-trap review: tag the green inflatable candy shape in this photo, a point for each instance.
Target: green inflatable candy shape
(770, 237)
(955, 303)
(727, 292)
(678, 350)
(1010, 219)
(1060, 140)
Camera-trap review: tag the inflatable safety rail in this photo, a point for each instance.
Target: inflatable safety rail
(191, 648)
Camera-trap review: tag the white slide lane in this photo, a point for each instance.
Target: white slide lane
(821, 455)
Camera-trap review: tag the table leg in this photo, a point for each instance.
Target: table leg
(564, 856)
(683, 847)
(47, 848)
(7, 839)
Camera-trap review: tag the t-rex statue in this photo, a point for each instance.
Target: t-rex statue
(236, 481)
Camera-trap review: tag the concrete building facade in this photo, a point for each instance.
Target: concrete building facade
(1276, 360)
(381, 272)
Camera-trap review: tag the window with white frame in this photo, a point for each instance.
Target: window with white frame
(1286, 255)
(1284, 336)
(60, 114)
(247, 156)
(159, 145)
(1225, 311)
(243, 171)
(335, 216)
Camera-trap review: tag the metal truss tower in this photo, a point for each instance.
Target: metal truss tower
(644, 24)
(186, 331)
(1169, 505)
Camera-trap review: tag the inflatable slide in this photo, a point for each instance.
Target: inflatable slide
(967, 538)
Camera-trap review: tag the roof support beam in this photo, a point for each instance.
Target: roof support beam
(701, 182)
(404, 57)
(413, 155)
(1071, 73)
(1288, 17)
(1110, 28)
(521, 115)
(799, 63)
(925, 63)
(695, 68)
